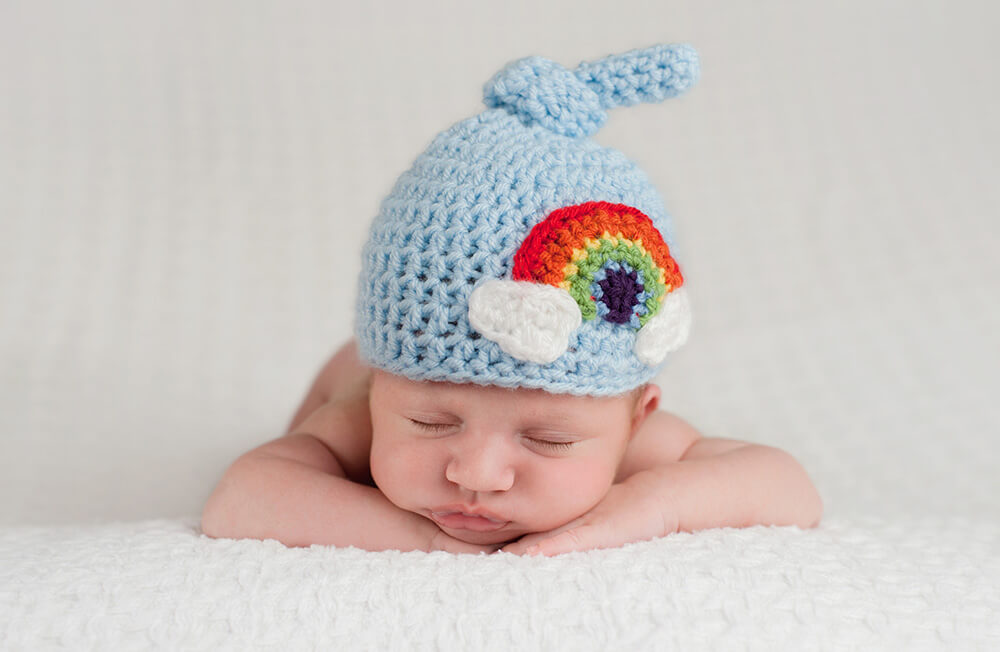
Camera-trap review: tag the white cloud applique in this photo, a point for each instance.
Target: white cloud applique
(533, 322)
(529, 321)
(666, 331)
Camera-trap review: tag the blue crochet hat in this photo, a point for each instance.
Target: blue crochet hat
(518, 252)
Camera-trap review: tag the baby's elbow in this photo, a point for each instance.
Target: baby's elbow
(813, 510)
(802, 505)
(810, 503)
(213, 521)
(217, 516)
(210, 528)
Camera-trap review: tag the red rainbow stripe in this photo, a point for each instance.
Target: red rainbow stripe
(549, 247)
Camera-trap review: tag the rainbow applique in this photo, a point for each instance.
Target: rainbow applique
(609, 257)
(582, 262)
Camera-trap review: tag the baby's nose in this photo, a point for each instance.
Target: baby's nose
(481, 468)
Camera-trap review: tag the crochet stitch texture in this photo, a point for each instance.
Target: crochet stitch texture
(517, 252)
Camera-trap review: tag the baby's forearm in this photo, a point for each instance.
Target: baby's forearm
(267, 497)
(750, 485)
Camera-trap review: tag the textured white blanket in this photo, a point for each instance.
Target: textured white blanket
(184, 191)
(868, 584)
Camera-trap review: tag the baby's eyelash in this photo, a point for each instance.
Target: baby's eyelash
(430, 426)
(557, 445)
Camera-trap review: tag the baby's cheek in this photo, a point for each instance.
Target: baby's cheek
(382, 464)
(400, 471)
(573, 489)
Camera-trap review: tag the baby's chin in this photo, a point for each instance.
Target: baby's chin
(503, 535)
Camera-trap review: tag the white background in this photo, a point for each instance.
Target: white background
(185, 187)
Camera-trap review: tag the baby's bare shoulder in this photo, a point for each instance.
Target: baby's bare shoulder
(343, 425)
(662, 438)
(345, 374)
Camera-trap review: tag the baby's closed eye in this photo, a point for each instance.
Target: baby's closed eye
(555, 445)
(434, 426)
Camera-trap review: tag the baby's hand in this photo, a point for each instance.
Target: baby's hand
(630, 511)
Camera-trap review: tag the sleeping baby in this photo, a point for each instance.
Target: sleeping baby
(519, 292)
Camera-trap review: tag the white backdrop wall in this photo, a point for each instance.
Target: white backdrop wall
(185, 187)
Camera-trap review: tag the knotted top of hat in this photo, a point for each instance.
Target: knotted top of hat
(517, 252)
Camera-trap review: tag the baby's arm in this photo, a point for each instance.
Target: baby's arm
(707, 482)
(308, 487)
(673, 479)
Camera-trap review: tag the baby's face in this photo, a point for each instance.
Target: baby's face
(529, 460)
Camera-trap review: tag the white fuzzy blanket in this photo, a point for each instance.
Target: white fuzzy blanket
(160, 584)
(184, 192)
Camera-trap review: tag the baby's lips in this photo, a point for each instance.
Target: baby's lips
(530, 321)
(466, 521)
(449, 512)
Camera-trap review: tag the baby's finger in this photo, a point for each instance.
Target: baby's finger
(582, 537)
(518, 547)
